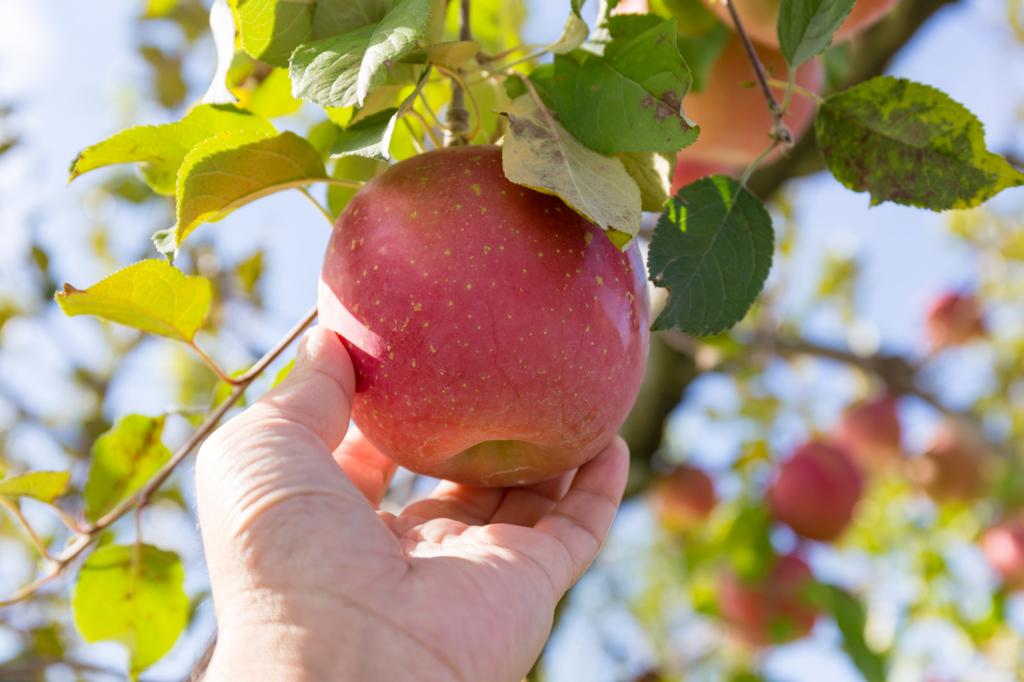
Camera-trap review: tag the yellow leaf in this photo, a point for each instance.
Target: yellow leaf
(539, 153)
(151, 295)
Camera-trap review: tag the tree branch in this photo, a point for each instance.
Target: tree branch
(663, 387)
(81, 541)
(780, 132)
(871, 53)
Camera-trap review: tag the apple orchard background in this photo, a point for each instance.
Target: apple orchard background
(849, 277)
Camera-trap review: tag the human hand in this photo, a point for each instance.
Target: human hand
(311, 581)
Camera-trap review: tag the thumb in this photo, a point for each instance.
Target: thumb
(280, 447)
(316, 395)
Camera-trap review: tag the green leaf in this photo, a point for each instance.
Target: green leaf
(150, 295)
(340, 16)
(45, 486)
(451, 54)
(540, 154)
(574, 34)
(806, 27)
(161, 148)
(652, 173)
(123, 459)
(233, 169)
(134, 595)
(910, 144)
(272, 29)
(712, 249)
(369, 137)
(341, 70)
(850, 618)
(629, 100)
(272, 97)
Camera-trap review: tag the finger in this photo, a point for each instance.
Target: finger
(317, 395)
(580, 521)
(365, 466)
(280, 447)
(526, 506)
(467, 504)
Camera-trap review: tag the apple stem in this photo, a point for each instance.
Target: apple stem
(457, 116)
(780, 131)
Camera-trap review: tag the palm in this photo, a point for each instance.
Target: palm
(461, 585)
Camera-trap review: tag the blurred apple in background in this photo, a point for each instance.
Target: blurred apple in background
(952, 469)
(870, 431)
(954, 319)
(684, 498)
(772, 609)
(760, 18)
(735, 123)
(1003, 545)
(816, 491)
(689, 170)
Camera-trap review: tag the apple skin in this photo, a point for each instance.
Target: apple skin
(1003, 545)
(771, 610)
(954, 319)
(735, 124)
(870, 431)
(498, 337)
(683, 499)
(760, 17)
(952, 469)
(816, 491)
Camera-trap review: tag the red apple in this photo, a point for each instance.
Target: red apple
(684, 498)
(498, 337)
(816, 491)
(954, 319)
(772, 609)
(760, 17)
(735, 123)
(952, 469)
(1003, 544)
(870, 431)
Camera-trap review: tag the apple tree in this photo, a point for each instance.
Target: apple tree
(531, 247)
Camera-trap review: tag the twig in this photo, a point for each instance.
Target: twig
(323, 211)
(15, 511)
(791, 87)
(82, 540)
(457, 116)
(779, 130)
(426, 127)
(412, 136)
(212, 364)
(899, 375)
(340, 182)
